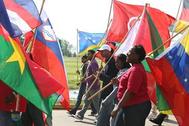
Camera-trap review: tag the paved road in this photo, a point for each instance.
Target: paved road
(61, 118)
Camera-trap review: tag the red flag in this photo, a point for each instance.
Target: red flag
(45, 82)
(47, 53)
(126, 14)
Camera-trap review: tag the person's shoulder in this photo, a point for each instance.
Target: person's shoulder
(138, 68)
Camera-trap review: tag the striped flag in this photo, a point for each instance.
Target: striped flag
(19, 16)
(47, 53)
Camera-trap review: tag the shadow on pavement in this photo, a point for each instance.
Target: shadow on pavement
(86, 122)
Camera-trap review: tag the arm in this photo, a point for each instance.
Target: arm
(134, 82)
(127, 96)
(110, 73)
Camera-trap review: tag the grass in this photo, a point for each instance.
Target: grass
(71, 67)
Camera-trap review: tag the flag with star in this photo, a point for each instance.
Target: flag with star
(171, 71)
(16, 74)
(89, 41)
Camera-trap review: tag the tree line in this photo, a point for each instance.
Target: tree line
(67, 48)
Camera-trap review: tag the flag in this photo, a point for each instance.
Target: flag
(171, 71)
(185, 11)
(16, 74)
(125, 15)
(47, 53)
(45, 82)
(19, 16)
(144, 32)
(89, 41)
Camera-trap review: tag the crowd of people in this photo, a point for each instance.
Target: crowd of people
(124, 100)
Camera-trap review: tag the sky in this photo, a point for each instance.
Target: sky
(67, 16)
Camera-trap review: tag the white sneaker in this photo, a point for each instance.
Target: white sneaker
(152, 115)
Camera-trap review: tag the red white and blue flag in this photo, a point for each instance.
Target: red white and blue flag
(19, 16)
(171, 71)
(47, 53)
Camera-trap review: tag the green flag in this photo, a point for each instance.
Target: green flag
(15, 72)
(156, 42)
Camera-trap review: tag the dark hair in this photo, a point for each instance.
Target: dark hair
(112, 46)
(140, 51)
(91, 51)
(84, 57)
(123, 58)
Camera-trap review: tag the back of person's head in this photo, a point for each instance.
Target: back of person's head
(91, 51)
(123, 58)
(140, 51)
(84, 57)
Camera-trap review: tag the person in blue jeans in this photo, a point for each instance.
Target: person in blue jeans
(82, 87)
(108, 103)
(92, 85)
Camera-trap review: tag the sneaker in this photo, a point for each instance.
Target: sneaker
(159, 119)
(153, 115)
(95, 121)
(78, 117)
(166, 117)
(71, 113)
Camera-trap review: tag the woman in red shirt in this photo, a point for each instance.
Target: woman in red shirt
(134, 104)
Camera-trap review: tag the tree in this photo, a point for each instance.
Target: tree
(66, 47)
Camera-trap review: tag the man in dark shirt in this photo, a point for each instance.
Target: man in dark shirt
(110, 70)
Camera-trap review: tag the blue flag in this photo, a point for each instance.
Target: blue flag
(89, 41)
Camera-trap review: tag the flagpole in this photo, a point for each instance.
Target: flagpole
(109, 20)
(168, 40)
(114, 53)
(77, 52)
(96, 77)
(28, 50)
(110, 11)
(108, 24)
(179, 9)
(178, 12)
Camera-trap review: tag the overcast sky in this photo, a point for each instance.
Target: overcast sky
(67, 16)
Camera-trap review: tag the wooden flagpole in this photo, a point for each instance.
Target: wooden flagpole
(77, 52)
(178, 12)
(112, 55)
(28, 50)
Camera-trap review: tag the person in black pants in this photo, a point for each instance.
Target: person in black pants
(110, 70)
(32, 117)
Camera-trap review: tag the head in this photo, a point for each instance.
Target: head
(84, 59)
(90, 54)
(121, 62)
(136, 54)
(105, 51)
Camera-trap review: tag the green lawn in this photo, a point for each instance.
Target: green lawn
(71, 67)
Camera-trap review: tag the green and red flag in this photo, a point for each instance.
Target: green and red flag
(144, 32)
(124, 15)
(15, 72)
